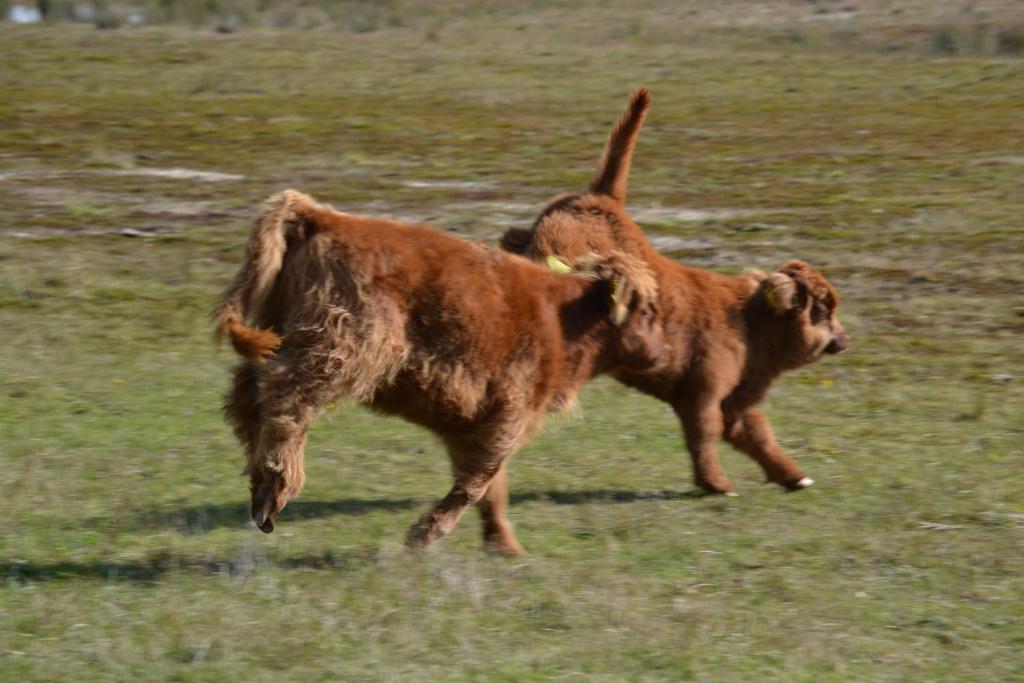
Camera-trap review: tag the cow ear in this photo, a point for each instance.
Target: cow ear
(630, 289)
(780, 293)
(630, 283)
(619, 299)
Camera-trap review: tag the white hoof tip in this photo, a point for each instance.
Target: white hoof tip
(803, 483)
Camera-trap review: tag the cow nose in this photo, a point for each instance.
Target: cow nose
(838, 343)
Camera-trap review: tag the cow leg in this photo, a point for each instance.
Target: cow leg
(439, 521)
(291, 391)
(476, 463)
(750, 432)
(498, 534)
(702, 427)
(242, 411)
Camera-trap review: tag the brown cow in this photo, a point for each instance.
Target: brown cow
(466, 340)
(727, 337)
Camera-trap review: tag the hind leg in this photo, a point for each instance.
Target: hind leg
(498, 534)
(241, 409)
(270, 485)
(278, 474)
(291, 392)
(702, 428)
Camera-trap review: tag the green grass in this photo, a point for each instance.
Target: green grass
(125, 549)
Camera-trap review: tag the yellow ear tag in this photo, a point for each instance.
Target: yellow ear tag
(769, 296)
(558, 265)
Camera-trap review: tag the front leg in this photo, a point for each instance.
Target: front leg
(475, 466)
(750, 432)
(498, 534)
(702, 427)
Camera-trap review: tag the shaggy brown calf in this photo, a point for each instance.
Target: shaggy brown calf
(468, 341)
(727, 337)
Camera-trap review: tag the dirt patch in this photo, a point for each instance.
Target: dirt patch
(449, 184)
(176, 174)
(668, 214)
(172, 173)
(1013, 160)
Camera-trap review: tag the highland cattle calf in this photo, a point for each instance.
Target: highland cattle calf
(727, 338)
(466, 340)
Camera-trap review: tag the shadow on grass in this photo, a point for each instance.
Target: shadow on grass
(151, 569)
(601, 496)
(200, 519)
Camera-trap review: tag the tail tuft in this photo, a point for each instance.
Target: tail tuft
(251, 342)
(247, 295)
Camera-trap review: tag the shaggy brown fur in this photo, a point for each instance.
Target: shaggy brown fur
(468, 341)
(727, 337)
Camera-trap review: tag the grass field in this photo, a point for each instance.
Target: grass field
(855, 138)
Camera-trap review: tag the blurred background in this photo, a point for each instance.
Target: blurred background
(881, 141)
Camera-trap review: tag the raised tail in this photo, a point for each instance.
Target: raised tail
(613, 170)
(245, 298)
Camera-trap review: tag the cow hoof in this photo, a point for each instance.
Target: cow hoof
(505, 549)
